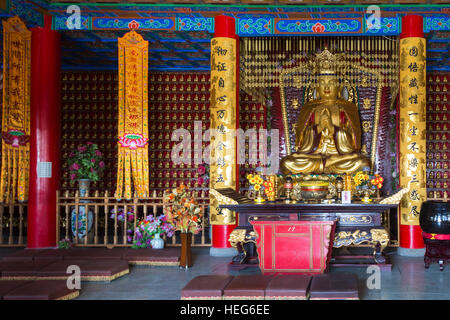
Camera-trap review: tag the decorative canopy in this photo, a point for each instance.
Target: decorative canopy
(179, 34)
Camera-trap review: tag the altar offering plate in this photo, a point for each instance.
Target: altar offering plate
(314, 191)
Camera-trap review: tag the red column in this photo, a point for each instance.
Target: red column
(411, 235)
(45, 134)
(224, 26)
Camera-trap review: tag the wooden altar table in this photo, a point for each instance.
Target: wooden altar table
(299, 247)
(356, 223)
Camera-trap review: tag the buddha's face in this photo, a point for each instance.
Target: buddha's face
(328, 87)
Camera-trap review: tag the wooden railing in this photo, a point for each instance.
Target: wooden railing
(13, 224)
(106, 231)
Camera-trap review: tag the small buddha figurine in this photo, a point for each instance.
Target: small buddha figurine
(328, 130)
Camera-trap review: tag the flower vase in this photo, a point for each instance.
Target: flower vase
(366, 198)
(157, 242)
(185, 258)
(85, 222)
(83, 187)
(259, 198)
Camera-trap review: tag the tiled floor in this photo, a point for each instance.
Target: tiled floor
(407, 280)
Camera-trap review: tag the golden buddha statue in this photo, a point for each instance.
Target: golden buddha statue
(328, 129)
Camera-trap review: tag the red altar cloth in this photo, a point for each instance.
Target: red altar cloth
(300, 247)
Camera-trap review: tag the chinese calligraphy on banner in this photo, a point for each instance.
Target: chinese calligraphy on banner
(132, 169)
(412, 127)
(223, 161)
(16, 111)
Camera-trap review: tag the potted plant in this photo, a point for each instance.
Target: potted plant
(85, 165)
(150, 230)
(65, 244)
(203, 175)
(186, 216)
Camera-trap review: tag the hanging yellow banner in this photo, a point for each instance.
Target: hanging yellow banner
(132, 169)
(412, 127)
(16, 111)
(223, 156)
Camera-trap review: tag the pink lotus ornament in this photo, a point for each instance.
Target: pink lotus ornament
(133, 141)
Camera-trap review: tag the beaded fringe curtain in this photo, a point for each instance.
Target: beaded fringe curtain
(132, 168)
(264, 59)
(16, 111)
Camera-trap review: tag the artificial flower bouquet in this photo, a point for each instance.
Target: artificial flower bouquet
(262, 186)
(256, 182)
(366, 184)
(362, 179)
(128, 217)
(147, 229)
(182, 210)
(269, 189)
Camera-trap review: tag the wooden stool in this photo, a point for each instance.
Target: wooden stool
(247, 287)
(42, 290)
(288, 287)
(437, 249)
(207, 287)
(334, 287)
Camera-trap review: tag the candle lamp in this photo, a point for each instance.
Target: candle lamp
(288, 189)
(339, 188)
